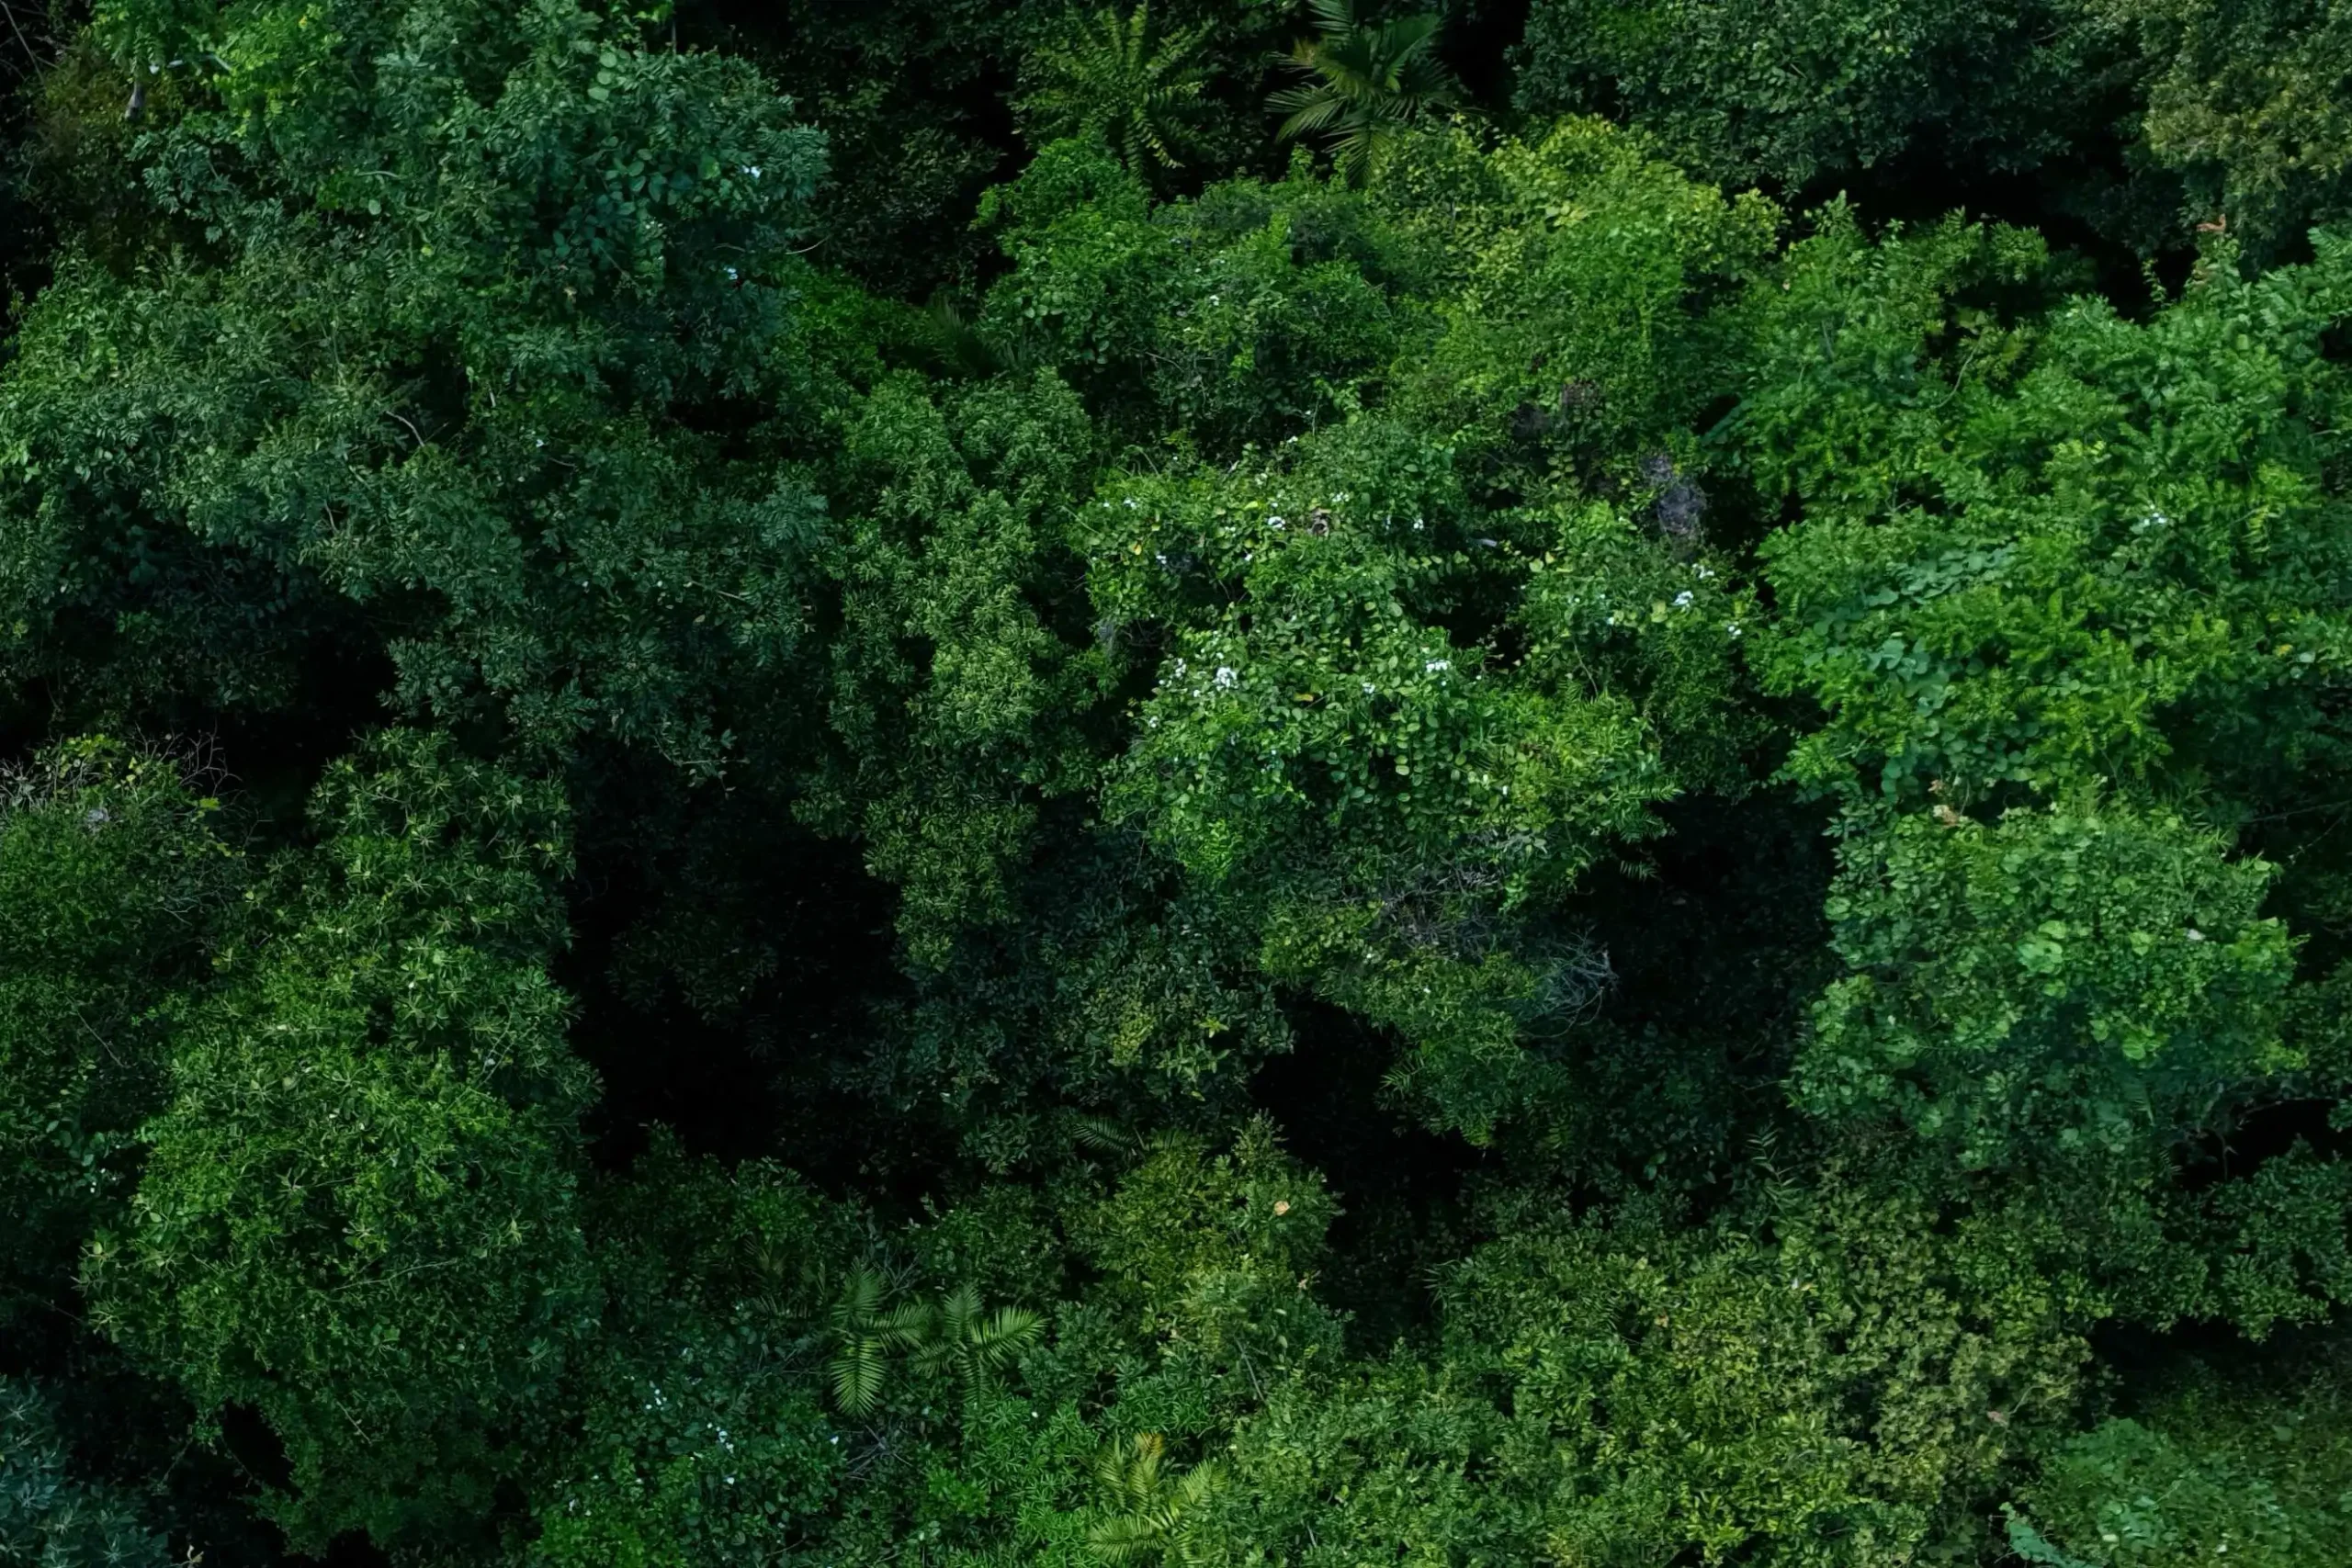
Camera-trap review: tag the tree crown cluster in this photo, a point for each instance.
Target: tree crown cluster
(978, 783)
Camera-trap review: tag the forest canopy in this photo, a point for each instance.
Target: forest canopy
(1212, 782)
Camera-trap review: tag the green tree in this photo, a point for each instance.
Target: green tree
(357, 1211)
(2243, 101)
(2087, 982)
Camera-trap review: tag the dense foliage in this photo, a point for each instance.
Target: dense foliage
(1192, 784)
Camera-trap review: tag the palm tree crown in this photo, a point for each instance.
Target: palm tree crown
(1364, 83)
(1110, 74)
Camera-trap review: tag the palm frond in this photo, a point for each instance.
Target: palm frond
(857, 1370)
(908, 1324)
(1101, 1135)
(1004, 1335)
(1315, 114)
(1122, 1540)
(1334, 16)
(861, 1296)
(1150, 1513)
(959, 1312)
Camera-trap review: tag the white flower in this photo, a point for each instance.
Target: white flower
(1682, 600)
(1225, 676)
(1434, 665)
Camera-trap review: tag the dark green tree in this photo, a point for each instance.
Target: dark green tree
(399, 377)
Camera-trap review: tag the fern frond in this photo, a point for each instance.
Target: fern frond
(1135, 1478)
